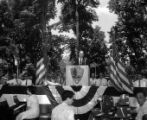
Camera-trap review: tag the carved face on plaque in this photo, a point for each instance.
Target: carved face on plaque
(77, 74)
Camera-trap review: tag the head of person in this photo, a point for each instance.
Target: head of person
(68, 97)
(93, 75)
(101, 75)
(81, 54)
(140, 96)
(28, 59)
(14, 76)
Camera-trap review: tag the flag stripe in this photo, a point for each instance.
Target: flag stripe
(40, 69)
(114, 80)
(115, 84)
(40, 62)
(123, 74)
(114, 72)
(40, 72)
(126, 86)
(121, 67)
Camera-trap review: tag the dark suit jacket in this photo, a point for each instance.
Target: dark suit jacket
(84, 61)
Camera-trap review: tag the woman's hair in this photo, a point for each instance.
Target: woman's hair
(67, 94)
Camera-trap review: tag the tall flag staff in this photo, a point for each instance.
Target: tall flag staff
(41, 71)
(77, 30)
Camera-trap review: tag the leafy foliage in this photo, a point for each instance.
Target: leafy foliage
(130, 31)
(21, 23)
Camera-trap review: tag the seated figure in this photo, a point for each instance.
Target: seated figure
(32, 111)
(101, 81)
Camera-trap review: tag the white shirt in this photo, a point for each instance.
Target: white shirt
(98, 82)
(109, 83)
(14, 82)
(26, 82)
(92, 81)
(63, 112)
(80, 61)
(32, 109)
(101, 82)
(104, 82)
(143, 83)
(142, 111)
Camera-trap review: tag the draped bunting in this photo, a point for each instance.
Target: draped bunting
(85, 99)
(83, 92)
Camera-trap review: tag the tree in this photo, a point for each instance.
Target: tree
(21, 25)
(78, 16)
(97, 47)
(130, 30)
(91, 40)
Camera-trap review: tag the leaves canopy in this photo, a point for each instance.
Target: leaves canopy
(130, 30)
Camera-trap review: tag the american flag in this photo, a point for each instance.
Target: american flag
(118, 74)
(40, 71)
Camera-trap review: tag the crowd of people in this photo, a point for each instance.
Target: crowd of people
(64, 111)
(101, 80)
(140, 81)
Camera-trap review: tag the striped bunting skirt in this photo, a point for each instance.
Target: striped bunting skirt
(85, 98)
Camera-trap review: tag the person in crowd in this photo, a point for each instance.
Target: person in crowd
(28, 73)
(32, 111)
(14, 81)
(3, 75)
(26, 81)
(64, 111)
(142, 110)
(110, 84)
(92, 79)
(82, 60)
(101, 81)
(140, 82)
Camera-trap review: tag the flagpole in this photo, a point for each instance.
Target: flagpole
(77, 30)
(44, 33)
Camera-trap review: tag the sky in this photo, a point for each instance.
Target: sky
(106, 19)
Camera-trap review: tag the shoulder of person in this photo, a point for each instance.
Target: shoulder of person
(11, 81)
(104, 79)
(56, 108)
